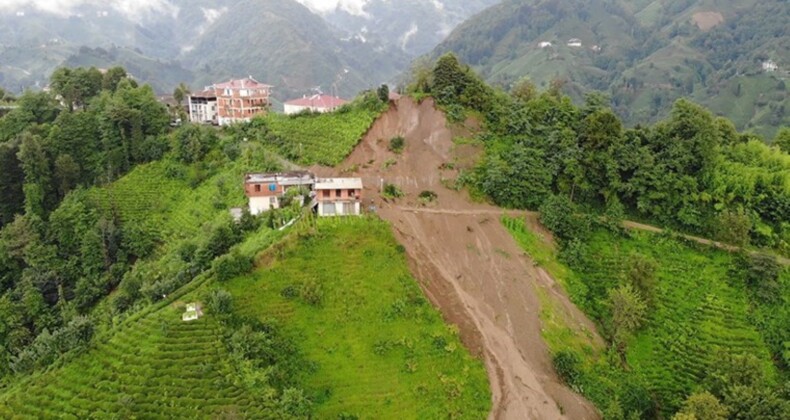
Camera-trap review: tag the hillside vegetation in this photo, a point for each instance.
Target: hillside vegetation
(704, 322)
(684, 322)
(644, 54)
(379, 349)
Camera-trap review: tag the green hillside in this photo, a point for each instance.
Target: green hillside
(644, 54)
(345, 293)
(702, 315)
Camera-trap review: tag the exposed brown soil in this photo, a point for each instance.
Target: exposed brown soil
(706, 21)
(467, 262)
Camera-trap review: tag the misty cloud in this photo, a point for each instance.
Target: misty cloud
(134, 9)
(354, 7)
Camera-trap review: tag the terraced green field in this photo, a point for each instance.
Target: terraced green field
(380, 350)
(700, 312)
(325, 139)
(156, 367)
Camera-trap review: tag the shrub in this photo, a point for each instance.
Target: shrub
(392, 191)
(568, 366)
(397, 144)
(560, 216)
(220, 301)
(427, 196)
(762, 276)
(231, 265)
(311, 293)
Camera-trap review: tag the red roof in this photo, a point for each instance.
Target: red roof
(318, 101)
(247, 83)
(204, 94)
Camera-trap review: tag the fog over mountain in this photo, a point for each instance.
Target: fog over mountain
(297, 45)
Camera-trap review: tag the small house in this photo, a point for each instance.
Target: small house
(575, 42)
(338, 196)
(770, 66)
(316, 103)
(203, 107)
(265, 191)
(193, 312)
(545, 44)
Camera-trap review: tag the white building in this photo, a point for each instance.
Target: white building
(203, 107)
(339, 196)
(545, 44)
(315, 103)
(265, 191)
(770, 66)
(575, 42)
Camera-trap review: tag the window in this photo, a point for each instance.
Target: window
(328, 209)
(257, 188)
(349, 208)
(326, 193)
(352, 193)
(272, 200)
(338, 193)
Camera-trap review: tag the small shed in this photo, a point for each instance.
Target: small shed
(193, 312)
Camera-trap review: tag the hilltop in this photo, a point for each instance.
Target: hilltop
(644, 54)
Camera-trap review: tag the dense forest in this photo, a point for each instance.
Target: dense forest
(693, 173)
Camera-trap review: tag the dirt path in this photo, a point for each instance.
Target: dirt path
(467, 262)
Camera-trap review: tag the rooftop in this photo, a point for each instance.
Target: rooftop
(318, 101)
(246, 83)
(338, 183)
(294, 177)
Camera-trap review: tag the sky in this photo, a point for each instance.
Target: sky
(131, 8)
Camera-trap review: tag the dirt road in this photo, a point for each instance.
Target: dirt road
(467, 262)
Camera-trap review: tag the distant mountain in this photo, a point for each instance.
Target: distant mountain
(412, 26)
(645, 53)
(281, 42)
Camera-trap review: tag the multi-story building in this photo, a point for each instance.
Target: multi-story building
(203, 107)
(265, 191)
(230, 102)
(339, 196)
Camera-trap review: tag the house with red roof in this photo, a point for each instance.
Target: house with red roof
(315, 103)
(233, 101)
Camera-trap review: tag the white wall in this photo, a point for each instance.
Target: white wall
(260, 205)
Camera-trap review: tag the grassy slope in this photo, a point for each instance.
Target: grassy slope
(699, 311)
(159, 367)
(321, 138)
(380, 349)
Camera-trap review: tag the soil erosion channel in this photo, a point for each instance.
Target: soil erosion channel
(467, 262)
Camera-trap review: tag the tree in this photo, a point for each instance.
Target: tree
(383, 93)
(628, 312)
(702, 406)
(67, 174)
(38, 175)
(733, 227)
(560, 216)
(641, 274)
(782, 139)
(524, 90)
(112, 78)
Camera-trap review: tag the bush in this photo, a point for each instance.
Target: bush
(392, 191)
(568, 366)
(762, 276)
(220, 301)
(427, 196)
(561, 216)
(231, 265)
(397, 144)
(311, 293)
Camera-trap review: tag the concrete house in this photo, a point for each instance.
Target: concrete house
(770, 66)
(230, 102)
(315, 103)
(265, 191)
(203, 107)
(544, 44)
(338, 196)
(575, 42)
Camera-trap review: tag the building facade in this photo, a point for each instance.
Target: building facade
(339, 196)
(230, 102)
(315, 103)
(203, 107)
(265, 191)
